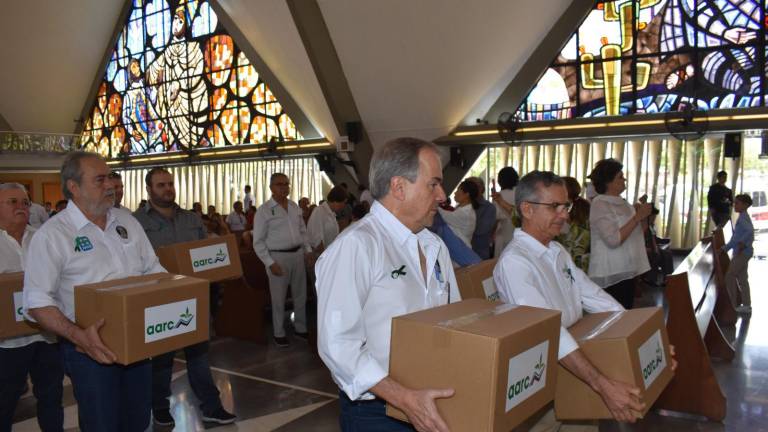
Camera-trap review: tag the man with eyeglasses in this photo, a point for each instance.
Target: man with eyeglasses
(37, 355)
(536, 271)
(280, 241)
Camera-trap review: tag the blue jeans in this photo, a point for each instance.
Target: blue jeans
(368, 416)
(109, 397)
(42, 362)
(198, 372)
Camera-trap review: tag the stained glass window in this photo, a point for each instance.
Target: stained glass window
(649, 56)
(176, 80)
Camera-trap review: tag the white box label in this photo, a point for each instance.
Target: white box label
(527, 374)
(168, 320)
(209, 257)
(489, 287)
(17, 306)
(652, 358)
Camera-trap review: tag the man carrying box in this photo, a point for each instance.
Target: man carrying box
(85, 243)
(36, 355)
(385, 265)
(166, 223)
(536, 271)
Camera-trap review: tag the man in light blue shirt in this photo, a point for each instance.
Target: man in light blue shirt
(741, 243)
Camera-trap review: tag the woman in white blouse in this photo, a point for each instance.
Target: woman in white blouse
(617, 246)
(462, 220)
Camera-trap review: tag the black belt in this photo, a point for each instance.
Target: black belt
(294, 249)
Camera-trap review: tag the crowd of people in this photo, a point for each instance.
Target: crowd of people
(556, 249)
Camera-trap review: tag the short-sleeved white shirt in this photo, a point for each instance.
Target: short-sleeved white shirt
(70, 250)
(11, 261)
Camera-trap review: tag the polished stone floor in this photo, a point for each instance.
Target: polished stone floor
(289, 389)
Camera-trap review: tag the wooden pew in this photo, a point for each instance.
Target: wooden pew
(241, 314)
(691, 295)
(725, 310)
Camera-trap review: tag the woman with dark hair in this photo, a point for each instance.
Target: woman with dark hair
(506, 215)
(575, 236)
(618, 248)
(462, 220)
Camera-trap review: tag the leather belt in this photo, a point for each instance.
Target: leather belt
(294, 249)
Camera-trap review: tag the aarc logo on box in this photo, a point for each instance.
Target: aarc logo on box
(209, 257)
(172, 319)
(527, 374)
(18, 306)
(652, 358)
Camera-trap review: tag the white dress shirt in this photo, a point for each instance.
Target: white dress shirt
(236, 221)
(367, 197)
(275, 228)
(37, 215)
(370, 274)
(529, 273)
(322, 226)
(462, 222)
(11, 261)
(247, 201)
(70, 250)
(610, 260)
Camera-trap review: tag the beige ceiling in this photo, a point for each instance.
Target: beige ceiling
(415, 67)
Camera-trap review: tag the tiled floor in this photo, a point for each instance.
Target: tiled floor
(290, 389)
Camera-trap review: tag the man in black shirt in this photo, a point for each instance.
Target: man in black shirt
(720, 200)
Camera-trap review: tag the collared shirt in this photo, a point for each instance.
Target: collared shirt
(743, 232)
(462, 222)
(161, 231)
(275, 228)
(720, 198)
(70, 250)
(322, 226)
(611, 260)
(12, 260)
(37, 215)
(486, 220)
(247, 201)
(236, 221)
(370, 274)
(529, 273)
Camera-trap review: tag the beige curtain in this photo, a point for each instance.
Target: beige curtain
(222, 184)
(674, 174)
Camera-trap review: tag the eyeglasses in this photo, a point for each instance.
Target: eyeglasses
(556, 206)
(13, 202)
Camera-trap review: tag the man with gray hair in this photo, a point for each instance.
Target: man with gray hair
(88, 242)
(385, 265)
(485, 223)
(281, 243)
(536, 271)
(36, 356)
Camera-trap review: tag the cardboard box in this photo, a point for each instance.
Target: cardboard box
(476, 281)
(215, 259)
(12, 323)
(146, 315)
(630, 346)
(500, 359)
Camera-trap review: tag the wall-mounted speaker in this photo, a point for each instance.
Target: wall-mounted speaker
(456, 159)
(355, 131)
(325, 163)
(732, 145)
